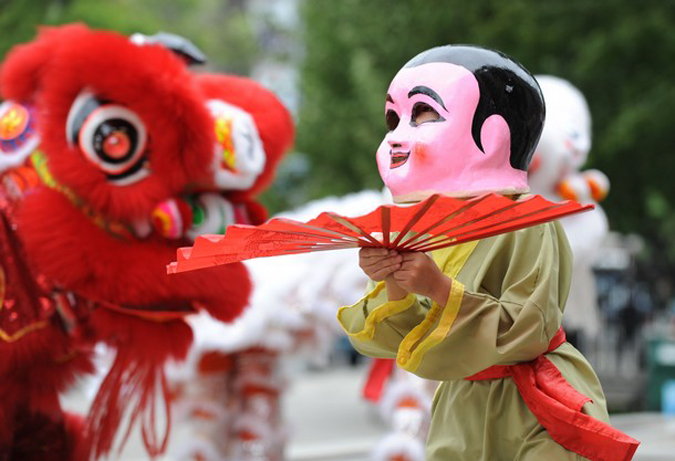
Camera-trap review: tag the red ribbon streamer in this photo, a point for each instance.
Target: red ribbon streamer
(379, 373)
(557, 407)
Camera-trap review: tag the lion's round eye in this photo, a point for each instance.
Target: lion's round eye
(110, 136)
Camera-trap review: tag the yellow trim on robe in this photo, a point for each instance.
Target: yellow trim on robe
(409, 357)
(455, 257)
(409, 354)
(378, 314)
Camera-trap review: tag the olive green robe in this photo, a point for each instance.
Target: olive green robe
(505, 306)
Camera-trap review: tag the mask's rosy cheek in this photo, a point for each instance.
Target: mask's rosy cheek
(420, 152)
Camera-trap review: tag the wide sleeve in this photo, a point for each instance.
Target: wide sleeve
(376, 326)
(515, 308)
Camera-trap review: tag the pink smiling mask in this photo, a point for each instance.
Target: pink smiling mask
(441, 157)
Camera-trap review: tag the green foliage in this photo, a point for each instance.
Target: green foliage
(619, 53)
(220, 28)
(18, 19)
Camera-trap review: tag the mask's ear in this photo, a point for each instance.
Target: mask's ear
(26, 65)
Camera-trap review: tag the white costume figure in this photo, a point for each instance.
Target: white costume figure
(555, 174)
(406, 407)
(228, 392)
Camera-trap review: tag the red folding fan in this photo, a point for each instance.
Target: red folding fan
(435, 223)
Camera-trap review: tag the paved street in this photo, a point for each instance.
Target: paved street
(327, 413)
(328, 421)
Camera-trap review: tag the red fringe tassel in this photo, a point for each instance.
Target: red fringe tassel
(136, 383)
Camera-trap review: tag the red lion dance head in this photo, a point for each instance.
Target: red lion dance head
(124, 127)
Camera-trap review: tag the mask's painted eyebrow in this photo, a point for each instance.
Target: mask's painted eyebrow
(389, 98)
(425, 90)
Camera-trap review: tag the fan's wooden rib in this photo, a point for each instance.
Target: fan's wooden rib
(347, 223)
(233, 257)
(268, 245)
(451, 236)
(385, 214)
(326, 221)
(228, 258)
(316, 229)
(407, 244)
(251, 235)
(544, 216)
(337, 246)
(238, 236)
(523, 208)
(299, 234)
(526, 212)
(527, 217)
(282, 225)
(423, 209)
(510, 205)
(489, 231)
(293, 228)
(250, 241)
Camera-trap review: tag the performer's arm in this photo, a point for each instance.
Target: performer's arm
(511, 317)
(377, 323)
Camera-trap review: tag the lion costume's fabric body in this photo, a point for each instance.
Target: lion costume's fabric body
(81, 262)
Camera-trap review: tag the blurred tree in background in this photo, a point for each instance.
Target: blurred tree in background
(619, 53)
(220, 28)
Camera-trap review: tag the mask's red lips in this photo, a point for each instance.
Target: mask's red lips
(398, 159)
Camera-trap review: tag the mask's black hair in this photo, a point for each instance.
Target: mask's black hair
(506, 89)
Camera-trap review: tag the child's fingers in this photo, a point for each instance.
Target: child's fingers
(382, 272)
(414, 265)
(413, 255)
(417, 261)
(368, 261)
(378, 263)
(402, 275)
(380, 275)
(373, 253)
(383, 264)
(402, 280)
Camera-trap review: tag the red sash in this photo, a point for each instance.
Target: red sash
(380, 371)
(557, 407)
